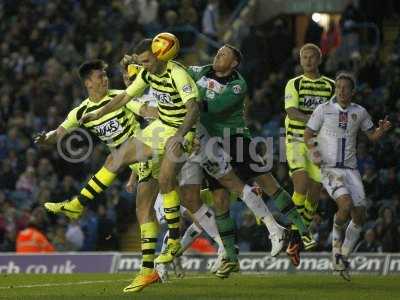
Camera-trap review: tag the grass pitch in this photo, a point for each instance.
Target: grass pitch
(201, 286)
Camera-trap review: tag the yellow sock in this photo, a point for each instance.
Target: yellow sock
(310, 207)
(172, 214)
(298, 200)
(149, 233)
(96, 185)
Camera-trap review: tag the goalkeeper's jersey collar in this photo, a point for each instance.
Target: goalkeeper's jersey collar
(222, 80)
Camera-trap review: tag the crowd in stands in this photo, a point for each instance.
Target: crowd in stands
(44, 41)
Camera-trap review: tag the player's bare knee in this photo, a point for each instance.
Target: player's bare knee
(166, 183)
(232, 183)
(344, 206)
(111, 164)
(268, 183)
(190, 197)
(109, 159)
(300, 182)
(221, 201)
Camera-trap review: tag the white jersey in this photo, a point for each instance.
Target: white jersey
(337, 132)
(148, 97)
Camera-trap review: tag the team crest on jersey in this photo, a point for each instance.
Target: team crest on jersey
(236, 89)
(343, 120)
(210, 94)
(187, 88)
(354, 117)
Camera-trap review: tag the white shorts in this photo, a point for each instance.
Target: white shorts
(159, 208)
(211, 157)
(339, 182)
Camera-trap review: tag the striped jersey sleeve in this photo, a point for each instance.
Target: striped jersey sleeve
(72, 120)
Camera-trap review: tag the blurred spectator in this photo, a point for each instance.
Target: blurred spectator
(251, 236)
(350, 39)
(74, 236)
(8, 176)
(369, 243)
(330, 38)
(188, 13)
(389, 183)
(106, 232)
(313, 32)
(89, 224)
(321, 228)
(210, 22)
(279, 43)
(59, 240)
(364, 158)
(148, 15)
(66, 189)
(27, 181)
(386, 230)
(33, 240)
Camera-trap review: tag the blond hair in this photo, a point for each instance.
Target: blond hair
(311, 46)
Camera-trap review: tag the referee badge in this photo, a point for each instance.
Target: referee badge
(354, 117)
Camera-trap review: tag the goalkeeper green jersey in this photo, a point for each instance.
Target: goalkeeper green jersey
(223, 101)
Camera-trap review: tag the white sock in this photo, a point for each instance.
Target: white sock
(337, 234)
(353, 232)
(260, 210)
(191, 233)
(206, 219)
(165, 241)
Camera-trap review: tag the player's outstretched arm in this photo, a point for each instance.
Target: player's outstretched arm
(51, 137)
(116, 103)
(148, 111)
(383, 127)
(130, 185)
(191, 117)
(190, 120)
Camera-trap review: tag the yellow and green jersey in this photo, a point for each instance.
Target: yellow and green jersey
(113, 128)
(172, 89)
(305, 94)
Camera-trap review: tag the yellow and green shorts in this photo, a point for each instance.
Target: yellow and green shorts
(156, 135)
(298, 159)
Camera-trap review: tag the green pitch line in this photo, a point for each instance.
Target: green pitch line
(201, 287)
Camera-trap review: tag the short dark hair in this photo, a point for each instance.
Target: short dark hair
(236, 52)
(87, 67)
(346, 75)
(143, 46)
